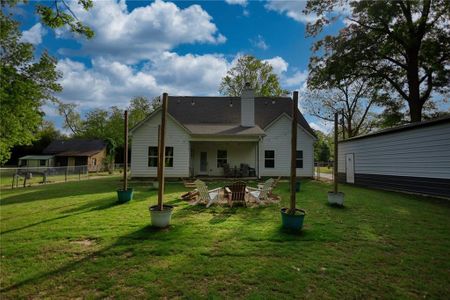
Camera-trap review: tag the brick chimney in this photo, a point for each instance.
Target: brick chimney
(248, 106)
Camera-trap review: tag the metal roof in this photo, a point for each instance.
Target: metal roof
(405, 127)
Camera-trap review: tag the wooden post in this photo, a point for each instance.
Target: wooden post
(65, 173)
(343, 126)
(162, 151)
(294, 151)
(335, 169)
(125, 156)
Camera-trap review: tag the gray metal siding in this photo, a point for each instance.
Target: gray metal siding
(420, 152)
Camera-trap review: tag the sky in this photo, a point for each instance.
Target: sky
(145, 48)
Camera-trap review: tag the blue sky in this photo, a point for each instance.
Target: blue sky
(180, 47)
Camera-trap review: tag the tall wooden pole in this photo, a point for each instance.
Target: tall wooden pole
(161, 151)
(335, 170)
(125, 152)
(294, 150)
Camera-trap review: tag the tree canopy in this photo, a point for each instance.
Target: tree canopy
(353, 99)
(403, 46)
(259, 74)
(25, 84)
(59, 14)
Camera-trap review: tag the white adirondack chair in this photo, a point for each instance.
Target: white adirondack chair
(210, 196)
(261, 194)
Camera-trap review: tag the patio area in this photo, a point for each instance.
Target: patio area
(72, 240)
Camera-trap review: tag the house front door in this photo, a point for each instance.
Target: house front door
(203, 162)
(350, 168)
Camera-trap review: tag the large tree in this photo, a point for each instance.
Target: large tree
(259, 74)
(353, 99)
(57, 13)
(405, 44)
(25, 84)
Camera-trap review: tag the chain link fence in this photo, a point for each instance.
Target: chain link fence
(324, 170)
(30, 176)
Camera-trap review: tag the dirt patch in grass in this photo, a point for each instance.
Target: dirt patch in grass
(84, 242)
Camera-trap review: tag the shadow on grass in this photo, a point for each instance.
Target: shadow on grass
(223, 215)
(337, 206)
(121, 246)
(60, 190)
(89, 207)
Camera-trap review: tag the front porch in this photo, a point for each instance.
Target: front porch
(211, 158)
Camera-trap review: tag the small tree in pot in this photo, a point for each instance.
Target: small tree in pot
(160, 213)
(292, 217)
(125, 194)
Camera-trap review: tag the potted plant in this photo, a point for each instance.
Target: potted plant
(125, 194)
(292, 218)
(161, 214)
(335, 197)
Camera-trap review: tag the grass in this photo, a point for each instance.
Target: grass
(326, 170)
(72, 240)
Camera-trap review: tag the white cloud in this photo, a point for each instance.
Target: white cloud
(34, 34)
(131, 36)
(293, 9)
(297, 79)
(111, 82)
(278, 64)
(324, 126)
(237, 2)
(259, 42)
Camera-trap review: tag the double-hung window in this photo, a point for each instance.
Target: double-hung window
(221, 158)
(269, 159)
(153, 156)
(299, 159)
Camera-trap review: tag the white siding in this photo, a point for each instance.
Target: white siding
(237, 152)
(147, 135)
(420, 152)
(278, 138)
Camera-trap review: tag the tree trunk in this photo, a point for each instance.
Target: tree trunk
(415, 111)
(414, 101)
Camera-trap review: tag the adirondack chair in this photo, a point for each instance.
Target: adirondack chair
(210, 196)
(236, 193)
(261, 194)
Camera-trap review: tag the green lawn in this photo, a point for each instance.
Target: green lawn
(325, 170)
(71, 240)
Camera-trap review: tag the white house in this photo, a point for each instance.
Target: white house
(205, 133)
(411, 158)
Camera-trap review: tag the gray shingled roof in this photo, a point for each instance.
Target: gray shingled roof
(217, 110)
(223, 129)
(76, 147)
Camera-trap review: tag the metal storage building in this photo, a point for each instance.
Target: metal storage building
(411, 158)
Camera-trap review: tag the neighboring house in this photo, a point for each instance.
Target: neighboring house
(33, 161)
(411, 158)
(204, 133)
(78, 152)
